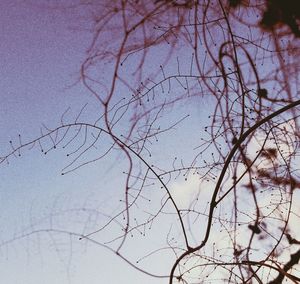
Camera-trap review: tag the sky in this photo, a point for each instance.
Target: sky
(41, 51)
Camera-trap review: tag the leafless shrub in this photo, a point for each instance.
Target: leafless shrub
(149, 66)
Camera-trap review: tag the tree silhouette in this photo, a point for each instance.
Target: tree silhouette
(156, 68)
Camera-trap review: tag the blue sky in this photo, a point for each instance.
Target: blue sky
(41, 52)
(40, 59)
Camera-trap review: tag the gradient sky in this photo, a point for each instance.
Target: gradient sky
(41, 52)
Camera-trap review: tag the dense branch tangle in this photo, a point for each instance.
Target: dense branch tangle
(165, 62)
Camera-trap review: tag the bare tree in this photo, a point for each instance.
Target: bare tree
(153, 68)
